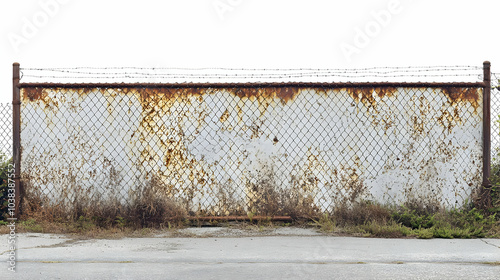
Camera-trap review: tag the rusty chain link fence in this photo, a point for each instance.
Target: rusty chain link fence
(5, 154)
(147, 151)
(234, 149)
(495, 127)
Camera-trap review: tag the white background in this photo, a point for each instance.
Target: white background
(245, 34)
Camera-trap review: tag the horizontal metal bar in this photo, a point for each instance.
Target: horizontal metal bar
(253, 85)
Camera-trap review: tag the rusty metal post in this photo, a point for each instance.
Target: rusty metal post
(486, 124)
(16, 134)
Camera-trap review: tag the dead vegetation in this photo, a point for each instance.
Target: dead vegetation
(152, 209)
(267, 198)
(148, 209)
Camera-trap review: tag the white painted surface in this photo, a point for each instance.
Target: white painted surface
(328, 145)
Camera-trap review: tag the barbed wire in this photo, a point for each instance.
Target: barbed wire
(222, 76)
(319, 72)
(260, 69)
(192, 74)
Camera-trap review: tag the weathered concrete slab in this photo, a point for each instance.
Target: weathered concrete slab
(266, 257)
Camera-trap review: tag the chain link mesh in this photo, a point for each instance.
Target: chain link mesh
(5, 153)
(267, 150)
(495, 128)
(6, 129)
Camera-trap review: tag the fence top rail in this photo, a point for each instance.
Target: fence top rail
(257, 85)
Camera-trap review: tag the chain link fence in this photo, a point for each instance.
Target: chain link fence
(270, 149)
(5, 153)
(495, 128)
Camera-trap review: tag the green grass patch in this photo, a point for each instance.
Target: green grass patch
(409, 221)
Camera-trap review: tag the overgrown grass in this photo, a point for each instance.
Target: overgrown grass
(364, 219)
(4, 164)
(373, 220)
(151, 210)
(96, 217)
(489, 199)
(478, 219)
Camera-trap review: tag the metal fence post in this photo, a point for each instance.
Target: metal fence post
(16, 134)
(486, 124)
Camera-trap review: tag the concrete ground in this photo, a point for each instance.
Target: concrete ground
(222, 253)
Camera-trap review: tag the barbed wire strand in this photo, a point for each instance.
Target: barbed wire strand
(332, 72)
(235, 73)
(240, 76)
(261, 69)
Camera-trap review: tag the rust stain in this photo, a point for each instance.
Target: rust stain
(449, 120)
(162, 129)
(456, 95)
(240, 114)
(244, 92)
(51, 98)
(387, 91)
(367, 95)
(224, 116)
(417, 126)
(146, 95)
(284, 94)
(256, 130)
(33, 94)
(42, 97)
